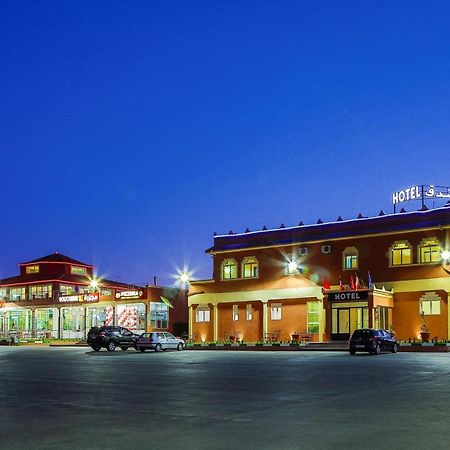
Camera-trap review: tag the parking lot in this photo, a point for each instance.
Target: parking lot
(74, 398)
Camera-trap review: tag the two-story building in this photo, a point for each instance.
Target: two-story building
(325, 280)
(60, 297)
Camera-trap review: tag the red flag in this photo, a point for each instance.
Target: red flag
(341, 286)
(326, 283)
(352, 283)
(356, 282)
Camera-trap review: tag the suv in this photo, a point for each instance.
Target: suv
(372, 341)
(110, 338)
(158, 340)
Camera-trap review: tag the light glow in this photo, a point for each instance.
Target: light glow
(445, 255)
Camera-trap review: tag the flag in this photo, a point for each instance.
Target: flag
(352, 283)
(369, 280)
(357, 286)
(326, 283)
(341, 286)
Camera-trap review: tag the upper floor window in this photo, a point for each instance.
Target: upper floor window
(350, 258)
(401, 253)
(40, 291)
(229, 269)
(429, 251)
(250, 267)
(77, 270)
(32, 269)
(17, 294)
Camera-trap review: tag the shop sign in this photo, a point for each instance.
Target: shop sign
(422, 191)
(349, 295)
(131, 295)
(80, 298)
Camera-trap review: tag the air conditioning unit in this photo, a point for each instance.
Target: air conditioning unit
(303, 251)
(326, 248)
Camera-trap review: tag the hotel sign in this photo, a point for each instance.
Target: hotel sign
(131, 295)
(345, 296)
(421, 192)
(80, 298)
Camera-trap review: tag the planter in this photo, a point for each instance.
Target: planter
(295, 337)
(425, 336)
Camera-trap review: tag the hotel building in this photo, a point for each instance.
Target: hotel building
(322, 281)
(59, 297)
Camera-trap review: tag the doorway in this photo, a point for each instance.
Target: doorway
(344, 320)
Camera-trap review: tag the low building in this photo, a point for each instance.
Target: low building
(322, 281)
(60, 297)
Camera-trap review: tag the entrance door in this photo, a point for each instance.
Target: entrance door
(340, 324)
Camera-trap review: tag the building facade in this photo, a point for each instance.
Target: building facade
(323, 281)
(59, 297)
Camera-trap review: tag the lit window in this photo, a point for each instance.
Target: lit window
(250, 267)
(32, 269)
(350, 256)
(202, 315)
(275, 311)
(235, 313)
(159, 315)
(430, 304)
(17, 294)
(40, 292)
(313, 317)
(77, 270)
(430, 251)
(229, 269)
(401, 253)
(249, 312)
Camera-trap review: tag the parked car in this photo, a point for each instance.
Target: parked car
(158, 341)
(110, 338)
(373, 341)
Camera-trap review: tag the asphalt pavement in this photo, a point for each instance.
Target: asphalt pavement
(72, 398)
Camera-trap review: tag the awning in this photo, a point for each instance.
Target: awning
(166, 301)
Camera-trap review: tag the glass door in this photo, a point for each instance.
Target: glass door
(340, 326)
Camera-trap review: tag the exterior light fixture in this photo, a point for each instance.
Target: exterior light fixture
(184, 277)
(94, 285)
(445, 255)
(292, 266)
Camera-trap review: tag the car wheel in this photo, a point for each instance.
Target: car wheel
(158, 348)
(111, 346)
(142, 349)
(180, 346)
(124, 349)
(377, 350)
(352, 352)
(395, 348)
(96, 348)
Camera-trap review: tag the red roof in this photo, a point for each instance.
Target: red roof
(56, 258)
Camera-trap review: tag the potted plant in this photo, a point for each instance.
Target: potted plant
(295, 336)
(424, 331)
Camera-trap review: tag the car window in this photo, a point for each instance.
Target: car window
(160, 335)
(169, 336)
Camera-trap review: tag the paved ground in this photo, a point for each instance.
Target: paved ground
(58, 398)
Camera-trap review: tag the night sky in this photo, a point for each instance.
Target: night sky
(131, 131)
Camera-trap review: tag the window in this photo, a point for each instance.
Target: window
(275, 311)
(401, 253)
(17, 294)
(159, 315)
(202, 315)
(229, 269)
(67, 289)
(313, 317)
(235, 313)
(107, 292)
(32, 269)
(250, 267)
(40, 292)
(77, 270)
(249, 312)
(430, 304)
(350, 256)
(429, 251)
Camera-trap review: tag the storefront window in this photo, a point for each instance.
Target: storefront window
(131, 316)
(18, 320)
(37, 292)
(4, 294)
(99, 316)
(45, 319)
(159, 315)
(72, 319)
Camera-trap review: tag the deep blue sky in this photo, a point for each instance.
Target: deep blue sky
(131, 131)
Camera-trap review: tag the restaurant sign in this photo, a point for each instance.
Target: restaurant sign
(345, 296)
(135, 294)
(80, 298)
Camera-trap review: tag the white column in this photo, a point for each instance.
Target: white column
(322, 318)
(216, 322)
(265, 324)
(190, 320)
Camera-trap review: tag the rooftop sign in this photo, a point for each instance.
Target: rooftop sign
(420, 192)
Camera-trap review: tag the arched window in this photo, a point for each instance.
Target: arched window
(350, 258)
(229, 269)
(429, 251)
(250, 267)
(401, 253)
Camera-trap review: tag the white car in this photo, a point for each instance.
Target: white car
(158, 341)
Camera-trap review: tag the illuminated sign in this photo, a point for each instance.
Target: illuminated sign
(420, 192)
(344, 296)
(80, 298)
(131, 295)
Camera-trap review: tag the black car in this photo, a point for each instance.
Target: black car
(372, 341)
(110, 338)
